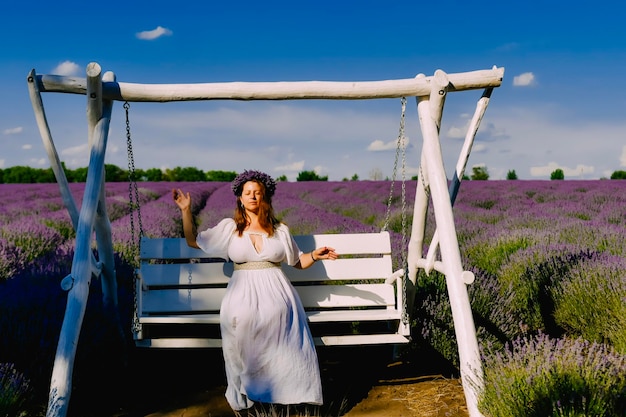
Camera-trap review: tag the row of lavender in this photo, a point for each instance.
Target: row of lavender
(549, 257)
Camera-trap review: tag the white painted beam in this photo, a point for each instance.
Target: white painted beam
(281, 90)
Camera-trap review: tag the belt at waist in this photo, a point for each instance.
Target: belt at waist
(257, 265)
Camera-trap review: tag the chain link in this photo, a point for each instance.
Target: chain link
(399, 145)
(405, 240)
(400, 155)
(133, 206)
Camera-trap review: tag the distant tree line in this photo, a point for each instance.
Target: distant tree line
(29, 175)
(113, 173)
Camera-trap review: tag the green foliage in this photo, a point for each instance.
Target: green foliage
(113, 173)
(220, 176)
(511, 175)
(180, 174)
(543, 377)
(14, 390)
(152, 174)
(618, 175)
(588, 302)
(557, 174)
(65, 228)
(310, 176)
(491, 256)
(486, 204)
(77, 175)
(281, 178)
(479, 173)
(26, 175)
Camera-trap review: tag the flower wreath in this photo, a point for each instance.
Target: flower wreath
(251, 175)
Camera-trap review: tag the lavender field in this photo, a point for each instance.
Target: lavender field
(549, 259)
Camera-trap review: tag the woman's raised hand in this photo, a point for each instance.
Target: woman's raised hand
(182, 200)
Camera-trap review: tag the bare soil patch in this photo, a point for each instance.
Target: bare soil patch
(357, 382)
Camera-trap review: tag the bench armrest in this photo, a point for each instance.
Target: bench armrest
(395, 276)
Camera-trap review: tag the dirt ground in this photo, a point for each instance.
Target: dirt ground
(357, 382)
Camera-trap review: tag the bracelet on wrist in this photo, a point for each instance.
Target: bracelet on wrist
(312, 257)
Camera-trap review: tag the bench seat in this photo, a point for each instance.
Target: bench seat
(356, 299)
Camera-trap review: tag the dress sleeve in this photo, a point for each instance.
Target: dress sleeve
(292, 251)
(214, 241)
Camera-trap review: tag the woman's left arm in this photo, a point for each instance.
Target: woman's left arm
(307, 259)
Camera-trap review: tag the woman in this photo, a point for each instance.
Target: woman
(267, 345)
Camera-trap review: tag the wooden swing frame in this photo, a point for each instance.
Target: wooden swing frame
(102, 90)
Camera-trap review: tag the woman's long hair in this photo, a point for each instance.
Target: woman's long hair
(267, 219)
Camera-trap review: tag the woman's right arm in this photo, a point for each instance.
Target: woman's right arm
(183, 201)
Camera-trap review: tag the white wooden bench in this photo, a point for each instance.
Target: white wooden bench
(354, 300)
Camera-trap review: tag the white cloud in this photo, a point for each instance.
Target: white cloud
(1, 163)
(75, 150)
(320, 170)
(479, 148)
(76, 156)
(622, 158)
(13, 130)
(66, 68)
(524, 80)
(378, 145)
(456, 132)
(27, 146)
(112, 148)
(39, 162)
(545, 171)
(149, 35)
(293, 167)
(486, 131)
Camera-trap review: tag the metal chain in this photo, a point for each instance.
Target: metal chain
(405, 240)
(400, 151)
(133, 206)
(400, 143)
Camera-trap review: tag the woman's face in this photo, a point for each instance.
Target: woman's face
(251, 196)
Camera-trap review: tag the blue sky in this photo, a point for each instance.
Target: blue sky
(562, 103)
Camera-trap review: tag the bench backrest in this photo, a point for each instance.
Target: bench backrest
(191, 283)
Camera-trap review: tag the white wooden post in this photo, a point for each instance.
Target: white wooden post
(102, 225)
(61, 381)
(470, 365)
(429, 262)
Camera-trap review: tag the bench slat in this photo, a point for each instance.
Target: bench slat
(313, 316)
(346, 244)
(371, 339)
(349, 295)
(350, 269)
(154, 275)
(186, 342)
(318, 296)
(216, 273)
(360, 339)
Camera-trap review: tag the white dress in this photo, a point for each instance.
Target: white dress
(268, 350)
